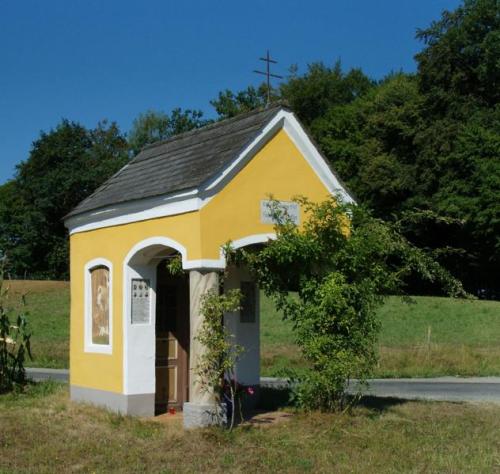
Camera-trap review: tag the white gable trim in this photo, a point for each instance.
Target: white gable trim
(194, 199)
(302, 141)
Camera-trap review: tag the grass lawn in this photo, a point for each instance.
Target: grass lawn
(47, 303)
(429, 337)
(43, 432)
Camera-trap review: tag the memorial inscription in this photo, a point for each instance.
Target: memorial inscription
(288, 209)
(141, 294)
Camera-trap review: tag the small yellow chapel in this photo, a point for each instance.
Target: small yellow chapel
(133, 341)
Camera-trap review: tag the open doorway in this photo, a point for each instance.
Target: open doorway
(172, 340)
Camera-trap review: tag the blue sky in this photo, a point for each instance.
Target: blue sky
(87, 60)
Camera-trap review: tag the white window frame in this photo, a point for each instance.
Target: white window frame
(89, 346)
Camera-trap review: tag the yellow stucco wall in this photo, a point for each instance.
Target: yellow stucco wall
(278, 168)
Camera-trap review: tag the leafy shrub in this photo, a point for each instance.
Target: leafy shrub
(341, 263)
(14, 344)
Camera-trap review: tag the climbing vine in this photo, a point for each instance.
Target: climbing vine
(215, 367)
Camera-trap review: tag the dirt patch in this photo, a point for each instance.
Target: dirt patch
(34, 286)
(267, 418)
(257, 418)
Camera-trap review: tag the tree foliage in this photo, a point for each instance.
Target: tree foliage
(229, 104)
(321, 87)
(152, 126)
(65, 166)
(421, 149)
(462, 52)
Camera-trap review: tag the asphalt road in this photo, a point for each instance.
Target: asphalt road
(454, 389)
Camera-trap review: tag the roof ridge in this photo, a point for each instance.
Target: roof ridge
(212, 125)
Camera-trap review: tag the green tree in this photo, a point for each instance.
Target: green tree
(153, 126)
(461, 57)
(321, 87)
(370, 142)
(229, 104)
(65, 165)
(469, 188)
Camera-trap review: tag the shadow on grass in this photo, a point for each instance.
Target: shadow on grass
(274, 398)
(379, 404)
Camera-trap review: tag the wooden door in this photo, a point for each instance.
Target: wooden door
(172, 340)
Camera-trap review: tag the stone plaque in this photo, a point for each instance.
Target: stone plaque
(141, 294)
(289, 209)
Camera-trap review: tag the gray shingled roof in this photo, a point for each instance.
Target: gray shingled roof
(180, 163)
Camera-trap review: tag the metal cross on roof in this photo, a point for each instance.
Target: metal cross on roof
(268, 74)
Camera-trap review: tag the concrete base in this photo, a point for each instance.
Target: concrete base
(137, 405)
(200, 416)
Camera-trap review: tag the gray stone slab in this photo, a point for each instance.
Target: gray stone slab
(39, 375)
(201, 416)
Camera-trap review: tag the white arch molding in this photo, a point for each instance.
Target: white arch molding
(159, 240)
(220, 263)
(252, 239)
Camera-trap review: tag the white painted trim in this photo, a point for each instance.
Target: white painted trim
(89, 346)
(158, 240)
(220, 264)
(252, 239)
(218, 181)
(134, 211)
(206, 264)
(302, 141)
(194, 199)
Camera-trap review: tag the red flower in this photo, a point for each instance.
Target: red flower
(250, 391)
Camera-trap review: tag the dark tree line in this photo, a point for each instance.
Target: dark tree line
(418, 149)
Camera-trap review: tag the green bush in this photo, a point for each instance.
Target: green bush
(341, 263)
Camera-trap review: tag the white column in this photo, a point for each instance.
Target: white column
(199, 284)
(201, 410)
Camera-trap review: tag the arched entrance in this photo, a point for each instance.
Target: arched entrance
(156, 328)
